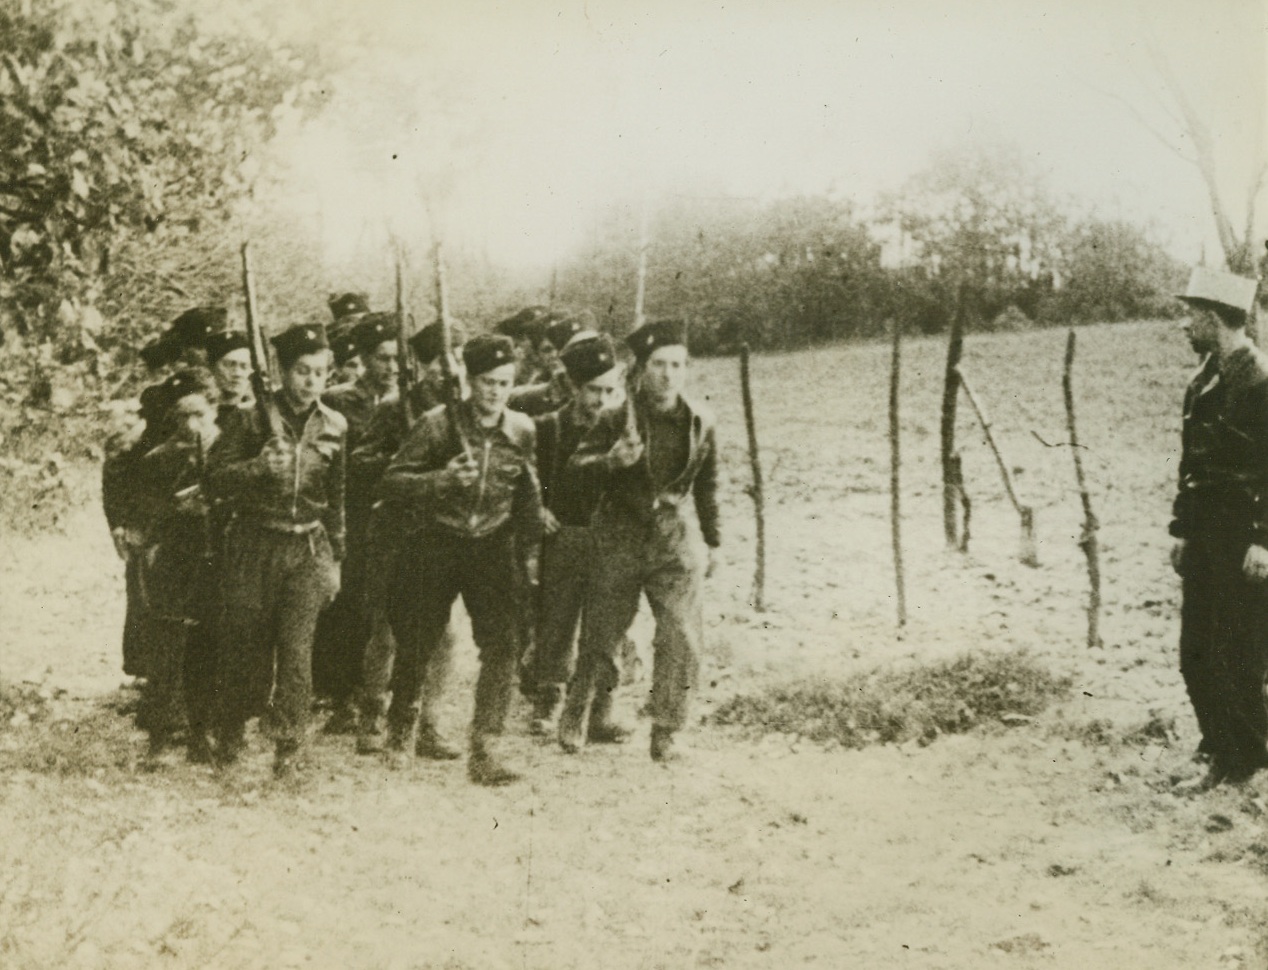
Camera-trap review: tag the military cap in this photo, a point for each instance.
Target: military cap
(342, 343)
(155, 401)
(191, 380)
(192, 327)
(588, 355)
(160, 352)
(429, 343)
(486, 351)
(372, 330)
(225, 342)
(307, 338)
(1214, 289)
(559, 332)
(525, 324)
(343, 305)
(652, 336)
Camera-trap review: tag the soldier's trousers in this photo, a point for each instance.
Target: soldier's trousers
(567, 559)
(275, 585)
(135, 642)
(343, 630)
(435, 570)
(664, 559)
(1224, 652)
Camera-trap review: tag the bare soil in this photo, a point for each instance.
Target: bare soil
(1051, 843)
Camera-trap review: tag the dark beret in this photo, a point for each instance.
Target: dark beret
(307, 338)
(160, 352)
(486, 351)
(192, 327)
(224, 342)
(342, 344)
(348, 305)
(528, 323)
(429, 342)
(652, 336)
(372, 330)
(559, 332)
(588, 356)
(191, 380)
(155, 402)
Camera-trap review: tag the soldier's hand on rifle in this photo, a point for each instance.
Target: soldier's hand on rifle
(464, 469)
(278, 455)
(550, 524)
(624, 452)
(1255, 565)
(1177, 557)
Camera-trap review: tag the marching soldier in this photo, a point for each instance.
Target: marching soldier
(346, 311)
(526, 329)
(386, 540)
(552, 394)
(184, 341)
(466, 474)
(1220, 525)
(344, 627)
(229, 357)
(282, 549)
(657, 462)
(568, 550)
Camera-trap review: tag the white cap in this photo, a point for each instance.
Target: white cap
(1208, 285)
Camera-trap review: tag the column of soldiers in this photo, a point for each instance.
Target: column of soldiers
(315, 540)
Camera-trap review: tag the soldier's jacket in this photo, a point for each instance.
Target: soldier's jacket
(571, 495)
(538, 399)
(507, 491)
(312, 491)
(386, 433)
(124, 505)
(1223, 486)
(631, 492)
(357, 402)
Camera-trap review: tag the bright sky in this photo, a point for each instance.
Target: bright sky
(525, 118)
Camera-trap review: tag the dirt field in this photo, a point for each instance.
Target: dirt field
(1054, 843)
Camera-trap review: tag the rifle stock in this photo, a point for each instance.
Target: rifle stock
(261, 375)
(453, 381)
(404, 359)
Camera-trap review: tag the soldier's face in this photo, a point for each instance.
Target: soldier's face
(381, 366)
(305, 379)
(605, 393)
(665, 374)
(232, 372)
(491, 390)
(1201, 327)
(193, 417)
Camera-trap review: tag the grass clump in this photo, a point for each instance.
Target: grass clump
(917, 702)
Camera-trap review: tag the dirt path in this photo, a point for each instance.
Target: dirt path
(1023, 847)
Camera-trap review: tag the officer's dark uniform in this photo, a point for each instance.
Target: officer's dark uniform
(1221, 509)
(652, 525)
(281, 554)
(468, 544)
(344, 626)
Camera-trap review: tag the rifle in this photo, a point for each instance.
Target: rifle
(404, 359)
(261, 375)
(453, 381)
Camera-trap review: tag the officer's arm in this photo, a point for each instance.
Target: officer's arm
(234, 462)
(527, 505)
(336, 482)
(705, 491)
(417, 472)
(592, 451)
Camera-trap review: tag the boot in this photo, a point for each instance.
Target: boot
(431, 744)
(344, 720)
(231, 741)
(663, 749)
(576, 715)
(483, 765)
(198, 749)
(372, 735)
(286, 761)
(402, 738)
(546, 704)
(604, 730)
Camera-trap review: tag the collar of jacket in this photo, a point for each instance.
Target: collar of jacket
(700, 421)
(514, 427)
(327, 413)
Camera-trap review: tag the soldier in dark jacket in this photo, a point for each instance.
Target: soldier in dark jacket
(657, 462)
(390, 534)
(1220, 525)
(282, 549)
(568, 551)
(344, 627)
(466, 475)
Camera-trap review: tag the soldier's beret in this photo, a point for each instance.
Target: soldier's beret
(588, 355)
(160, 352)
(652, 336)
(344, 305)
(372, 330)
(225, 342)
(486, 351)
(192, 327)
(1215, 289)
(528, 323)
(342, 344)
(154, 402)
(429, 343)
(191, 380)
(307, 338)
(559, 332)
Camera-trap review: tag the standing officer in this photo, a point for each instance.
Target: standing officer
(344, 627)
(658, 464)
(568, 550)
(466, 474)
(282, 549)
(389, 535)
(229, 357)
(1221, 529)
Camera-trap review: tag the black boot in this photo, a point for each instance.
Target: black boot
(547, 701)
(604, 730)
(484, 767)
